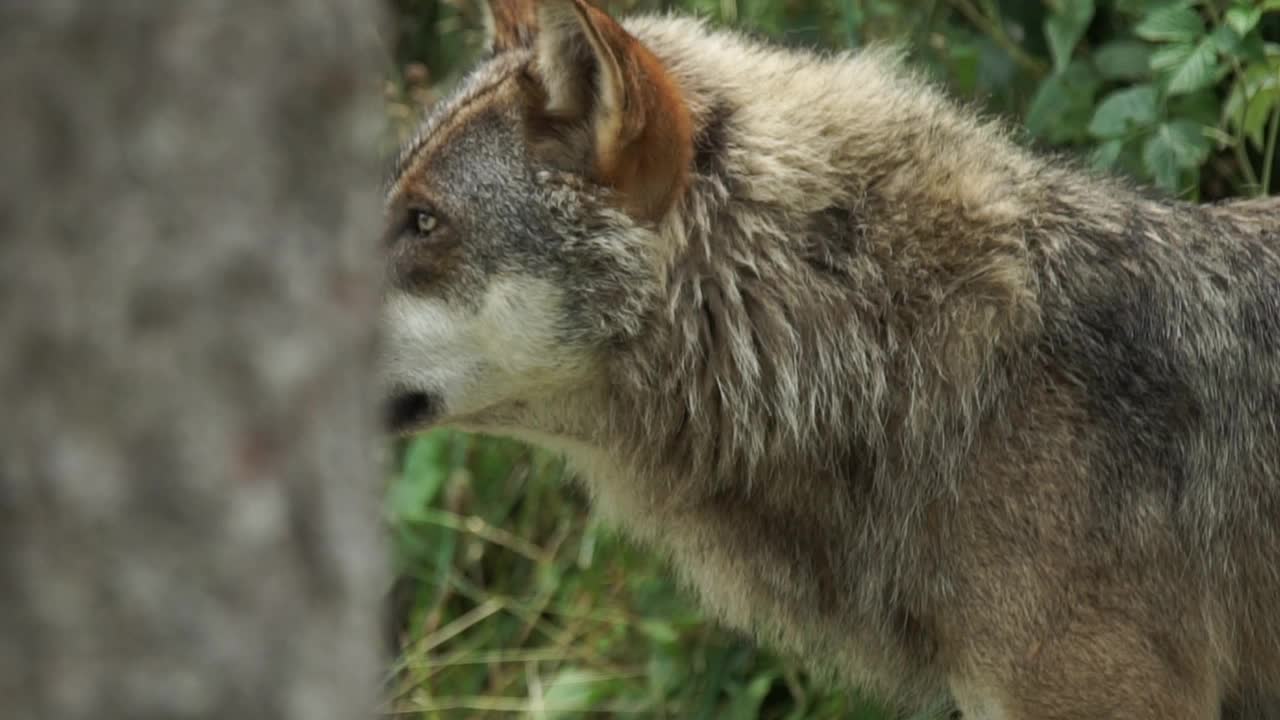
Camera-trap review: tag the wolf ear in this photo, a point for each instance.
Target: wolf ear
(509, 24)
(631, 124)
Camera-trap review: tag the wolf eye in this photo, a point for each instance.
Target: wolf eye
(423, 222)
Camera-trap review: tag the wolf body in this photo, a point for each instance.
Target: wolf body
(959, 423)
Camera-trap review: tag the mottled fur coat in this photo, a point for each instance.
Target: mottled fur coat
(962, 423)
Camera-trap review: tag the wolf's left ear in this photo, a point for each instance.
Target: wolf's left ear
(630, 121)
(509, 24)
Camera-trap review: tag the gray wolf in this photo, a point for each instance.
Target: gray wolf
(966, 424)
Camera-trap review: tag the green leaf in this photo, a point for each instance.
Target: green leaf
(1104, 157)
(1190, 145)
(575, 690)
(1254, 49)
(1260, 110)
(1202, 108)
(426, 467)
(747, 700)
(1173, 147)
(1226, 40)
(1160, 163)
(963, 66)
(1124, 111)
(1261, 85)
(715, 672)
(660, 631)
(1065, 27)
(1140, 8)
(1187, 68)
(1124, 60)
(1244, 19)
(1171, 56)
(1060, 110)
(1171, 24)
(665, 671)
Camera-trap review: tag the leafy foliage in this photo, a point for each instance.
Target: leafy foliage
(514, 603)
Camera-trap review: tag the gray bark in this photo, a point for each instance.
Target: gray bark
(188, 281)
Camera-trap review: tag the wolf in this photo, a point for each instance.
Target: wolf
(962, 423)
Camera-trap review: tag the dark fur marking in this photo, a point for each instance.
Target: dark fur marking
(712, 141)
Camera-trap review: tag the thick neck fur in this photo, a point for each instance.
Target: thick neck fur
(811, 175)
(803, 282)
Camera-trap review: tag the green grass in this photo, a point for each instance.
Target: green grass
(516, 604)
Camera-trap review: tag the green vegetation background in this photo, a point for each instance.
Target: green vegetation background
(512, 602)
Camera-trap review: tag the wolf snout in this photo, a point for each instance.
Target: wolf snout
(410, 411)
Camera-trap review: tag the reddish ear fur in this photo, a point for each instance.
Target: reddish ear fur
(512, 24)
(594, 72)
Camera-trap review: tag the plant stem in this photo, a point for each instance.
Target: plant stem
(927, 25)
(1242, 159)
(852, 16)
(1269, 155)
(1238, 147)
(995, 30)
(729, 11)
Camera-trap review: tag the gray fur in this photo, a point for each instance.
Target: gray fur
(956, 421)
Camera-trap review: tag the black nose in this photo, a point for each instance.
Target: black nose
(410, 411)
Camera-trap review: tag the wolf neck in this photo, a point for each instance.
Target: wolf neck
(849, 287)
(844, 223)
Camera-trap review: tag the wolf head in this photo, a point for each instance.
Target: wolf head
(521, 221)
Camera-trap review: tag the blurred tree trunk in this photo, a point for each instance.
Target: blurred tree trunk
(187, 292)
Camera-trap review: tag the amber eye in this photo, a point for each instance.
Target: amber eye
(424, 222)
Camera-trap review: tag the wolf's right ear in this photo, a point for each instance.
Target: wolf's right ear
(609, 104)
(509, 24)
